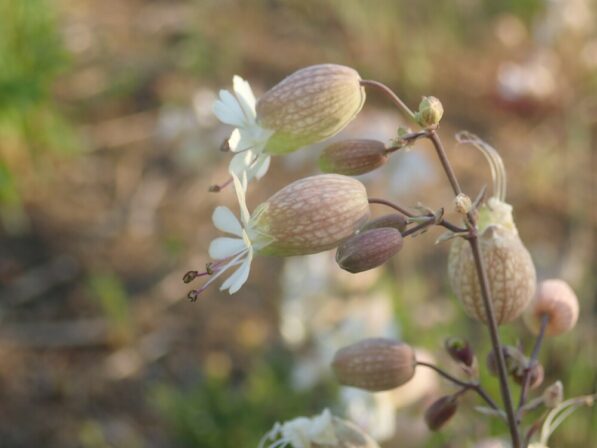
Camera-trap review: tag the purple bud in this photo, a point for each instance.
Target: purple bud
(393, 220)
(460, 351)
(441, 411)
(368, 249)
(353, 157)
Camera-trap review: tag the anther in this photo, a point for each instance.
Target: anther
(190, 276)
(216, 188)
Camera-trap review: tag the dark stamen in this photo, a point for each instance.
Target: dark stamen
(219, 187)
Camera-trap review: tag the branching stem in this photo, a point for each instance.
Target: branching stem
(464, 384)
(390, 94)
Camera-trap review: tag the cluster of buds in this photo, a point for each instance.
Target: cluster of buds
(517, 365)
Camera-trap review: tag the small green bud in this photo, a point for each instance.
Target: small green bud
(460, 351)
(430, 112)
(353, 157)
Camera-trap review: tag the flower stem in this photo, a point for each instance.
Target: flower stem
(527, 371)
(473, 240)
(387, 91)
(495, 338)
(466, 385)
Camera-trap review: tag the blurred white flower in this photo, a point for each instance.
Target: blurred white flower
(248, 140)
(302, 432)
(230, 252)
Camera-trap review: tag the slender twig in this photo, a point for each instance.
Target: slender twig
(393, 205)
(495, 338)
(473, 239)
(472, 386)
(386, 90)
(441, 153)
(526, 380)
(419, 227)
(448, 225)
(406, 140)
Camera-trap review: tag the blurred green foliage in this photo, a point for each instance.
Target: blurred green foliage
(226, 412)
(31, 57)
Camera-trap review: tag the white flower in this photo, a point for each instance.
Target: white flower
(303, 432)
(230, 252)
(248, 140)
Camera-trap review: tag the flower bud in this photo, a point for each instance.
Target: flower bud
(430, 112)
(311, 215)
(441, 411)
(368, 249)
(375, 364)
(353, 157)
(310, 105)
(393, 220)
(556, 300)
(463, 204)
(553, 395)
(460, 351)
(510, 269)
(536, 376)
(515, 361)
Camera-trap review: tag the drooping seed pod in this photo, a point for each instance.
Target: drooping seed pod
(393, 220)
(310, 105)
(369, 249)
(556, 300)
(353, 157)
(311, 215)
(510, 269)
(460, 350)
(375, 364)
(441, 411)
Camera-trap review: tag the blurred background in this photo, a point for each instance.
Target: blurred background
(107, 149)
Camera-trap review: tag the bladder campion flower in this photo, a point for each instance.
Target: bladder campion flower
(310, 215)
(308, 106)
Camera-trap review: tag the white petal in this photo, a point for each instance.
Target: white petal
(240, 186)
(240, 163)
(262, 165)
(225, 247)
(228, 110)
(240, 276)
(225, 221)
(245, 98)
(243, 89)
(234, 140)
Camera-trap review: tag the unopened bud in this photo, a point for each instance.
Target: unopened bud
(310, 105)
(394, 220)
(460, 351)
(553, 395)
(353, 157)
(536, 375)
(375, 364)
(311, 215)
(463, 204)
(368, 249)
(556, 300)
(513, 357)
(441, 411)
(430, 112)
